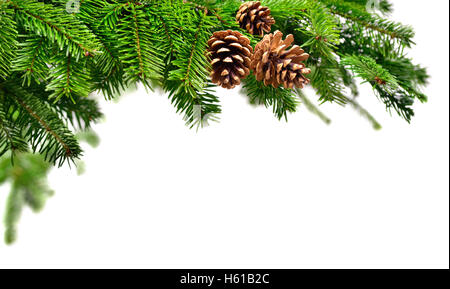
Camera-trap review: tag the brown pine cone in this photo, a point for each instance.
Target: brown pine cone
(278, 66)
(255, 18)
(230, 58)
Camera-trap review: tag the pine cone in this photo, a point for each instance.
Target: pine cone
(255, 18)
(278, 66)
(230, 58)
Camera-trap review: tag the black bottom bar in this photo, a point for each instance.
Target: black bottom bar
(247, 279)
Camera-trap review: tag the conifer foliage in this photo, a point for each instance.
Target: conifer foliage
(55, 53)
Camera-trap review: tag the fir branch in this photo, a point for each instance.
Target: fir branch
(28, 178)
(187, 83)
(13, 212)
(164, 43)
(323, 32)
(110, 44)
(382, 6)
(281, 100)
(369, 21)
(367, 69)
(43, 128)
(106, 68)
(284, 10)
(138, 43)
(32, 58)
(409, 76)
(311, 107)
(364, 113)
(140, 49)
(383, 82)
(11, 138)
(327, 81)
(80, 112)
(199, 107)
(8, 39)
(68, 77)
(55, 24)
(225, 13)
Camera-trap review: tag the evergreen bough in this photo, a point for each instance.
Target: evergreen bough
(55, 53)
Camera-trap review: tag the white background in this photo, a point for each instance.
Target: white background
(253, 192)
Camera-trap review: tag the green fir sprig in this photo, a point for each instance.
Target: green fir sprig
(53, 56)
